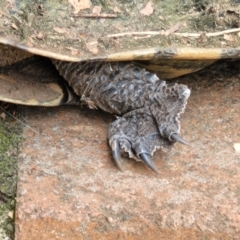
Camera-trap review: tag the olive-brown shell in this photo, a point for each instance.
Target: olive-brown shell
(169, 37)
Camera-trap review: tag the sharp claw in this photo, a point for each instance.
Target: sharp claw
(148, 161)
(176, 137)
(117, 154)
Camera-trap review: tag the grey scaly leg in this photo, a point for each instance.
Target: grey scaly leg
(148, 108)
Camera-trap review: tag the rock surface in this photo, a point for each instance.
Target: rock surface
(69, 187)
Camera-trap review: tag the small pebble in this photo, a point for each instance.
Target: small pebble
(236, 146)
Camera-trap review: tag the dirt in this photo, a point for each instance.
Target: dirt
(37, 25)
(10, 139)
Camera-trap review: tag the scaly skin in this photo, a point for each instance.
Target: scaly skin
(148, 108)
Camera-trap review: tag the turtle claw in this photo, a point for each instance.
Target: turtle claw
(148, 161)
(177, 138)
(116, 154)
(138, 136)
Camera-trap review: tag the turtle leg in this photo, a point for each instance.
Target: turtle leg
(141, 132)
(149, 107)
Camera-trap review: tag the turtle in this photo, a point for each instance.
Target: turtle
(126, 83)
(147, 109)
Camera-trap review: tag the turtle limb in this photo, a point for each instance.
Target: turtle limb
(150, 108)
(136, 134)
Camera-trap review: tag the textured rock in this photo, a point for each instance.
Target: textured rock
(69, 187)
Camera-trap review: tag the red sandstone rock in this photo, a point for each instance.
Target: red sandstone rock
(69, 187)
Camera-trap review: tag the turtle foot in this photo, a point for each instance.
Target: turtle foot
(141, 132)
(138, 136)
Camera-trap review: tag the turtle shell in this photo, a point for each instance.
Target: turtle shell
(168, 37)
